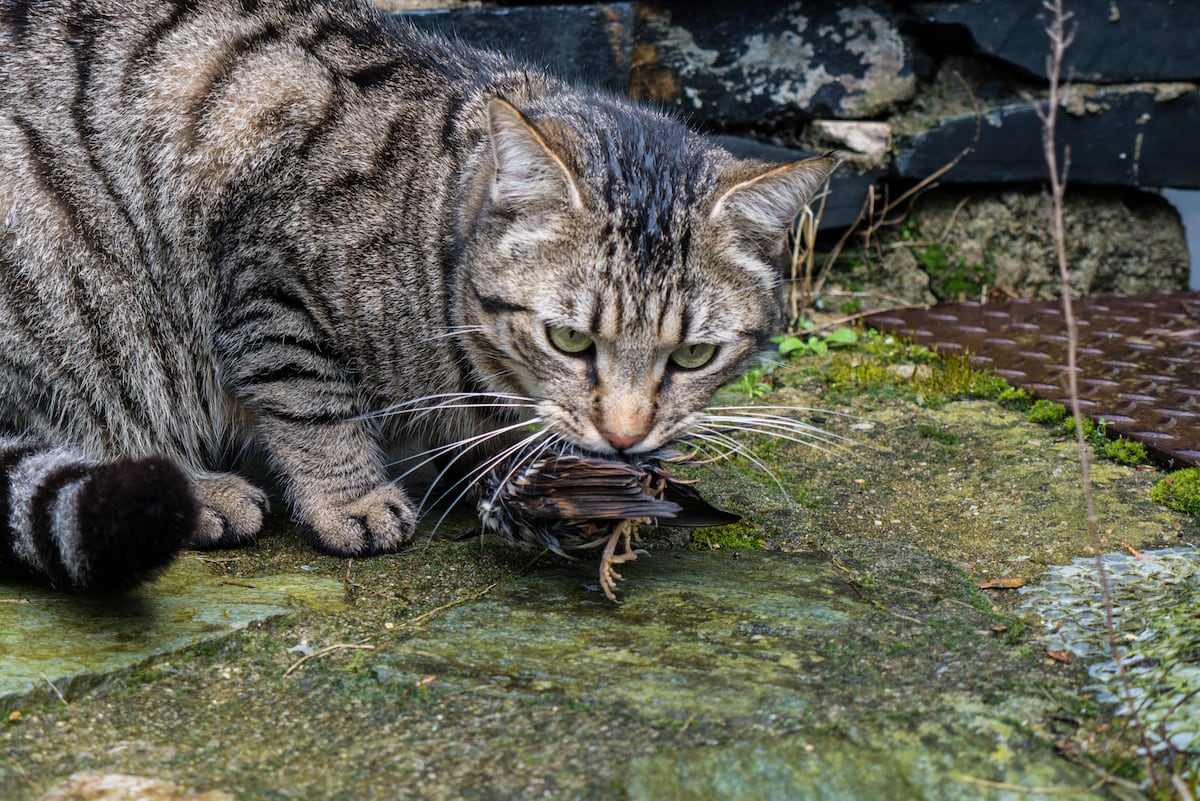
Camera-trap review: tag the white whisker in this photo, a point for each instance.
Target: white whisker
(720, 438)
(452, 331)
(471, 480)
(446, 399)
(464, 444)
(763, 407)
(803, 433)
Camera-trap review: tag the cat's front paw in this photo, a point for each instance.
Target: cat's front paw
(378, 522)
(231, 512)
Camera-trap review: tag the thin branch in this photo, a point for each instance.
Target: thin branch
(1060, 40)
(875, 222)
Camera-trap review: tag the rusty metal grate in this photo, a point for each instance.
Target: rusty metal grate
(1138, 357)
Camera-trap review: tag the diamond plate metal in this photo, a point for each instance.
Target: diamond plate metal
(1138, 357)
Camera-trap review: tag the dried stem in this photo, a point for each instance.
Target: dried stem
(1060, 40)
(876, 221)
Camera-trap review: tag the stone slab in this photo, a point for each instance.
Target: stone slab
(73, 642)
(1138, 137)
(729, 642)
(733, 64)
(932, 762)
(1115, 42)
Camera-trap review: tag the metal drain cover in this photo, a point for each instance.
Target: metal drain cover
(1138, 357)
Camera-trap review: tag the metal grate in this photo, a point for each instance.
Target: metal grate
(1138, 357)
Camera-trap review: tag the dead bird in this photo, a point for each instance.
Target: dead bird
(564, 500)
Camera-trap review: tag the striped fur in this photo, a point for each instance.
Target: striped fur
(88, 525)
(260, 221)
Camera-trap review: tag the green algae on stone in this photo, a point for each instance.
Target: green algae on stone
(54, 643)
(936, 762)
(709, 635)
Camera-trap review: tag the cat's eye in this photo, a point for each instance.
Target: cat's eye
(568, 340)
(691, 357)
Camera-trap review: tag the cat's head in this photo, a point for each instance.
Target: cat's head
(617, 268)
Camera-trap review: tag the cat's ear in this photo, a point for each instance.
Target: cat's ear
(529, 175)
(764, 200)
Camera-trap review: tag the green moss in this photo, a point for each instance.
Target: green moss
(1015, 398)
(937, 434)
(1179, 491)
(737, 536)
(1046, 412)
(952, 277)
(1125, 451)
(1090, 432)
(899, 369)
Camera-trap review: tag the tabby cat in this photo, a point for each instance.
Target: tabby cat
(307, 227)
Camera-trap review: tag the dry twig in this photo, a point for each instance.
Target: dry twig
(1060, 40)
(875, 222)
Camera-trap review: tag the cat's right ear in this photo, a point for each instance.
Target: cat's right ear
(529, 175)
(762, 201)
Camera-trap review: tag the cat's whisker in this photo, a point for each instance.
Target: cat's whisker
(845, 445)
(481, 469)
(766, 407)
(447, 400)
(711, 454)
(465, 444)
(800, 433)
(524, 459)
(468, 482)
(419, 414)
(459, 396)
(720, 438)
(453, 331)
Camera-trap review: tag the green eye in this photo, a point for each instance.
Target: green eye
(568, 340)
(691, 357)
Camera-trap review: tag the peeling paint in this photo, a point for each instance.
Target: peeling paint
(848, 63)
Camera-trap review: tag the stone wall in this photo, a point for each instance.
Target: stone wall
(904, 89)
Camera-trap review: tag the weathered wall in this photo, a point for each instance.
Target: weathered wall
(902, 89)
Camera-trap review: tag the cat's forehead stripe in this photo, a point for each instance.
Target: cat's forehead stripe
(651, 183)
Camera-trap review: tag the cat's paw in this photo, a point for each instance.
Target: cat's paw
(378, 522)
(231, 512)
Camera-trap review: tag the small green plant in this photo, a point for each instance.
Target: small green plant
(952, 277)
(938, 434)
(851, 306)
(1046, 412)
(1090, 432)
(734, 536)
(1119, 450)
(1015, 398)
(1125, 451)
(755, 383)
(1180, 491)
(790, 344)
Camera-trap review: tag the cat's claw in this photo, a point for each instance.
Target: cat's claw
(231, 512)
(378, 522)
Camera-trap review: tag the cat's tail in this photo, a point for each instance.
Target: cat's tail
(88, 525)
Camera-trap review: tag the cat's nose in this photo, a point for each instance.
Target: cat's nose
(620, 441)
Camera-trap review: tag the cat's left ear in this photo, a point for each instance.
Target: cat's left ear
(765, 200)
(529, 175)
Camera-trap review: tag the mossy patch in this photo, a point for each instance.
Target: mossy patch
(1180, 491)
(1046, 412)
(889, 366)
(737, 536)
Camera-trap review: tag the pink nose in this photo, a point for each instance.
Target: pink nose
(621, 442)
